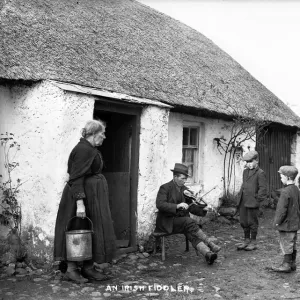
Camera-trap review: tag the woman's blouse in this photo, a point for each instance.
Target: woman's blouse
(84, 161)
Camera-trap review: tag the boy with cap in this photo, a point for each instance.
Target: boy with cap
(253, 191)
(287, 218)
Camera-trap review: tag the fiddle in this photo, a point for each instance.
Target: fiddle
(191, 199)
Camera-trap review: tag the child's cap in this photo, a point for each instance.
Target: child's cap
(250, 155)
(288, 171)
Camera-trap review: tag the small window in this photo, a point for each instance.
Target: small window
(190, 151)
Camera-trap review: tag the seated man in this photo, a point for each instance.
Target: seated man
(173, 215)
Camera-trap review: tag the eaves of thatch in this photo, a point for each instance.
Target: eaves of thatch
(126, 47)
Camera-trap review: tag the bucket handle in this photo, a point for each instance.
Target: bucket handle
(92, 228)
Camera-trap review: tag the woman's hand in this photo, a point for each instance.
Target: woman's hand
(80, 212)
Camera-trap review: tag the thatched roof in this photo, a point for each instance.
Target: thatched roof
(127, 47)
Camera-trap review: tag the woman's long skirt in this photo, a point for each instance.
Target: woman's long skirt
(97, 209)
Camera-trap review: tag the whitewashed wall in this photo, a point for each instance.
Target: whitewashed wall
(161, 148)
(46, 123)
(152, 164)
(295, 153)
(210, 160)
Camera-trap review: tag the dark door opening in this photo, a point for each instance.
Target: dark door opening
(120, 156)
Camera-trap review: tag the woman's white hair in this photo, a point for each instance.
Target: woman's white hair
(91, 127)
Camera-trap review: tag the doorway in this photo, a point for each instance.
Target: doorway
(274, 148)
(120, 155)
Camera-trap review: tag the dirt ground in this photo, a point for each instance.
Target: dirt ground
(235, 275)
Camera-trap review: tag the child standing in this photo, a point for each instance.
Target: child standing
(253, 191)
(287, 218)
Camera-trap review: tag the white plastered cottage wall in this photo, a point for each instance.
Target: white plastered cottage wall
(295, 148)
(46, 122)
(210, 160)
(161, 148)
(152, 164)
(295, 153)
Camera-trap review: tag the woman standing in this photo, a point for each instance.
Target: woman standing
(86, 194)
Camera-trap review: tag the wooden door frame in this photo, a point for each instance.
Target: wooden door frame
(279, 128)
(114, 106)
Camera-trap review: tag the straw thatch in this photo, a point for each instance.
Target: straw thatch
(127, 47)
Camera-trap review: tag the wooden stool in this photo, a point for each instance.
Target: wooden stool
(162, 235)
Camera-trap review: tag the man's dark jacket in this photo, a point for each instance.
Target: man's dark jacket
(254, 188)
(167, 199)
(287, 214)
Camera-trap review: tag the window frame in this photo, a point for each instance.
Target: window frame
(193, 179)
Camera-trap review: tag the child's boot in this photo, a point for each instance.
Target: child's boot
(285, 267)
(252, 245)
(293, 262)
(246, 240)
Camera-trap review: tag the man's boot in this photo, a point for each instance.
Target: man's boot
(213, 247)
(246, 242)
(293, 262)
(202, 249)
(285, 267)
(204, 238)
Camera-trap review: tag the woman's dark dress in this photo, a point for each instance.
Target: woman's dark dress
(86, 182)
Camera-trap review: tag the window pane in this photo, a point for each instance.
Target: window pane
(185, 140)
(188, 155)
(183, 155)
(193, 136)
(191, 170)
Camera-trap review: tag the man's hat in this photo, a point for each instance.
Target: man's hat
(250, 155)
(288, 171)
(180, 168)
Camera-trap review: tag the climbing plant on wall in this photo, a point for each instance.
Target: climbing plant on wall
(241, 130)
(247, 126)
(10, 208)
(247, 122)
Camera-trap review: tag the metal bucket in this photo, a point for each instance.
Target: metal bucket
(79, 243)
